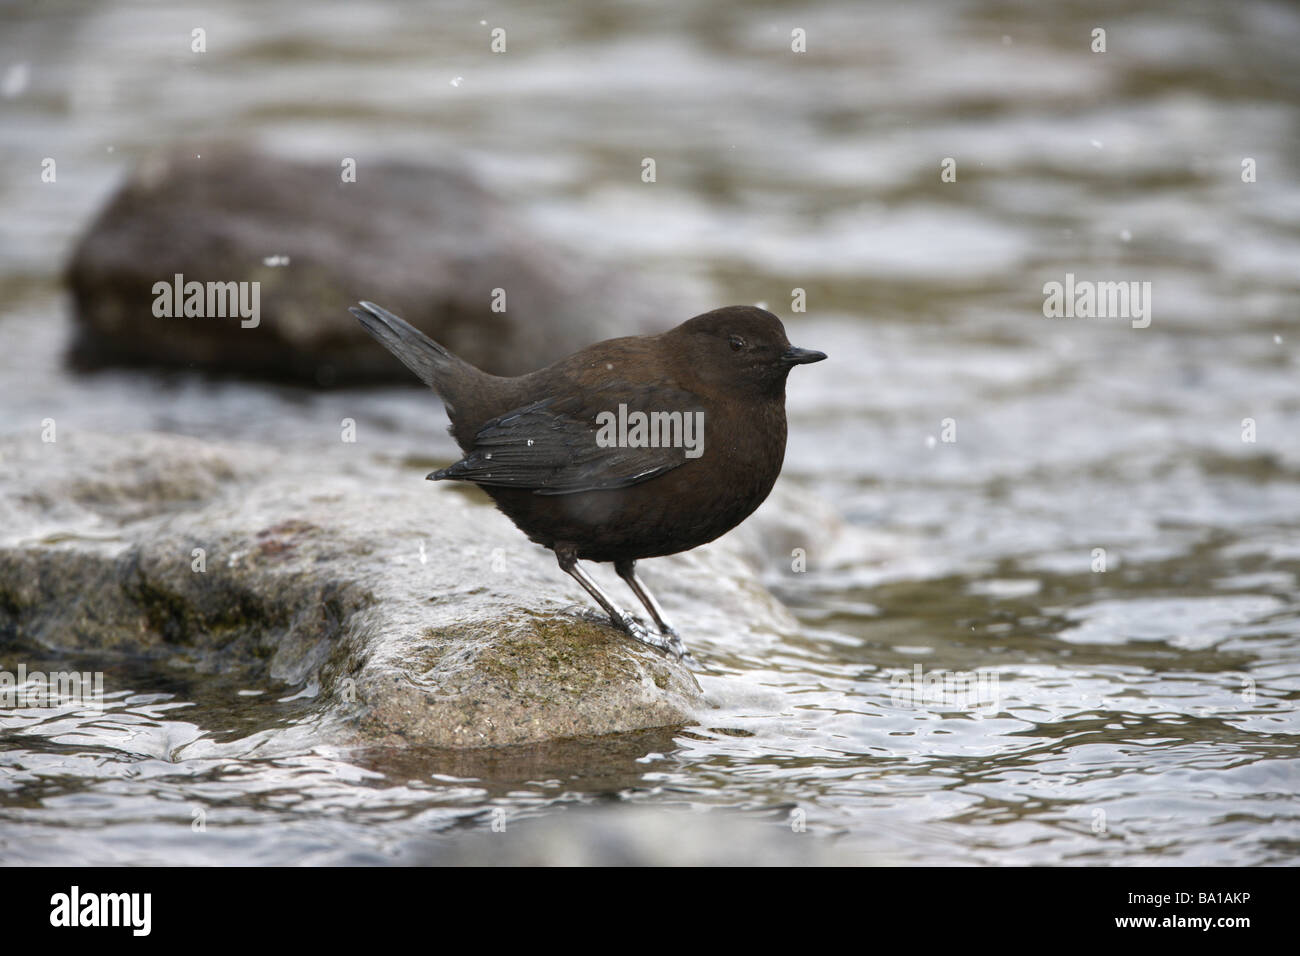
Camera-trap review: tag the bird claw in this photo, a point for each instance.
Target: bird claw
(675, 645)
(634, 627)
(665, 640)
(678, 650)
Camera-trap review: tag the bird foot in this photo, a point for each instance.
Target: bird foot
(666, 639)
(675, 645)
(634, 627)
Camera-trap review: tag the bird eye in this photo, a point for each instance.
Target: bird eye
(737, 343)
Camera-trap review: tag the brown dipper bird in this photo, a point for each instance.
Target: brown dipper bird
(631, 448)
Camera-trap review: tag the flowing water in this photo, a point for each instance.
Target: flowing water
(1096, 519)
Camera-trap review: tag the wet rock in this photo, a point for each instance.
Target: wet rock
(426, 242)
(414, 613)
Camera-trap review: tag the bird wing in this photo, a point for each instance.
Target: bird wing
(552, 447)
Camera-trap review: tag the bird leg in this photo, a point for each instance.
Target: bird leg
(568, 558)
(627, 571)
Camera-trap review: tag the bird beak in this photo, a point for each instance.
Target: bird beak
(794, 356)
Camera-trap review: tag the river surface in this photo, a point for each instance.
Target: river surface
(1098, 521)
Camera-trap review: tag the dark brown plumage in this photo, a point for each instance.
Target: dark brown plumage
(539, 443)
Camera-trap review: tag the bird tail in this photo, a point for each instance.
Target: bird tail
(422, 355)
